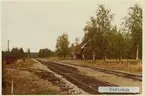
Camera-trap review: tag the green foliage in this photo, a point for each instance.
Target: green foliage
(45, 53)
(97, 31)
(28, 53)
(62, 48)
(22, 54)
(16, 52)
(133, 25)
(108, 41)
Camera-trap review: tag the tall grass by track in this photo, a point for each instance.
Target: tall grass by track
(127, 65)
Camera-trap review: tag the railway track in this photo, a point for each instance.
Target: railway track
(118, 73)
(87, 83)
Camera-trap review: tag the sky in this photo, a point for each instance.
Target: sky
(37, 24)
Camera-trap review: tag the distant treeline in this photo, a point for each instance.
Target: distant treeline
(14, 54)
(45, 53)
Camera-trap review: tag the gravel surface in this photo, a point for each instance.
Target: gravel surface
(110, 78)
(75, 89)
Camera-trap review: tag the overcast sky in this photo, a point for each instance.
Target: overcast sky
(37, 25)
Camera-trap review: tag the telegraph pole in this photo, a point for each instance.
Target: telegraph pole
(8, 46)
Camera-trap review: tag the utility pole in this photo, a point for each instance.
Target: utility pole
(8, 46)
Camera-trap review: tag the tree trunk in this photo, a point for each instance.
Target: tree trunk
(83, 56)
(94, 56)
(104, 57)
(120, 60)
(120, 56)
(137, 50)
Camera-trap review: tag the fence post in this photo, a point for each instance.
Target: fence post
(12, 88)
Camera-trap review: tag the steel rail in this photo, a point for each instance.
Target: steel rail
(118, 73)
(90, 89)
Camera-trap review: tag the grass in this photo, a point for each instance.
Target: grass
(25, 83)
(127, 65)
(20, 63)
(57, 58)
